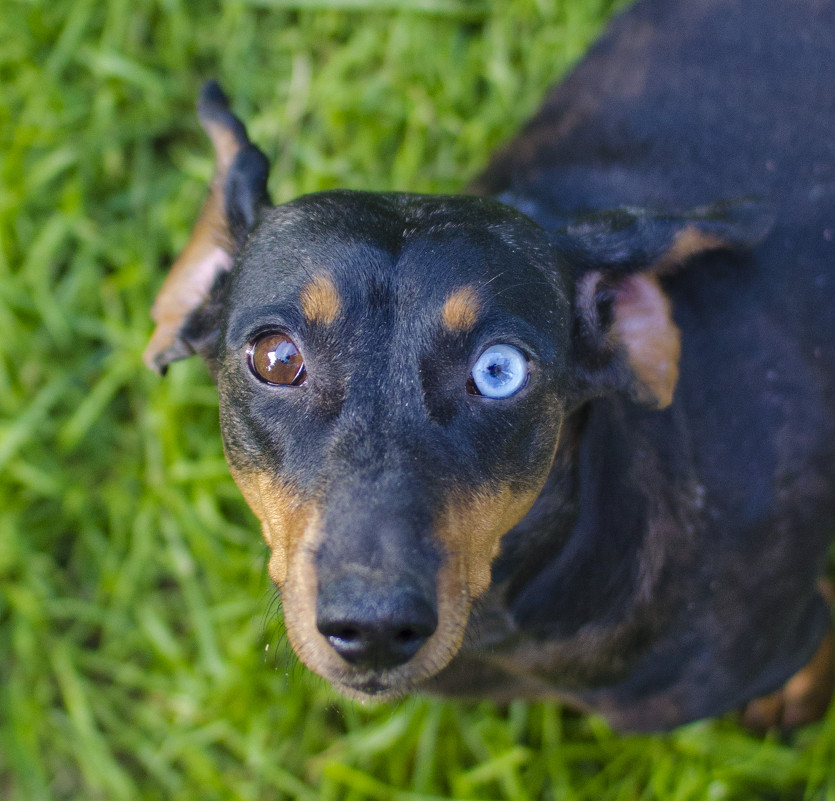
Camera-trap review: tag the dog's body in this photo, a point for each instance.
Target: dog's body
(639, 522)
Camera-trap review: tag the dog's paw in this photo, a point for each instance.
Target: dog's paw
(803, 699)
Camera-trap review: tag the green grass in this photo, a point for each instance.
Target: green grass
(141, 652)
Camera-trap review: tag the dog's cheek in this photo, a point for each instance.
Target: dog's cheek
(284, 514)
(255, 466)
(472, 525)
(474, 518)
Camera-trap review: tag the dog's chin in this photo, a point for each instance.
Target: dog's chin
(373, 688)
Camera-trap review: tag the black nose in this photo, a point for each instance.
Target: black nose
(372, 627)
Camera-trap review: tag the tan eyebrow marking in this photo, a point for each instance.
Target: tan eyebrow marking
(461, 309)
(320, 300)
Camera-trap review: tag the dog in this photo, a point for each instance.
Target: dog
(570, 434)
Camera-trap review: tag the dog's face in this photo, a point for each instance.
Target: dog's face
(394, 371)
(390, 377)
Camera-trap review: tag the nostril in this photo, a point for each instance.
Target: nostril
(417, 632)
(406, 642)
(406, 636)
(346, 633)
(344, 639)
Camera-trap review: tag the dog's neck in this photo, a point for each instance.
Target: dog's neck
(601, 539)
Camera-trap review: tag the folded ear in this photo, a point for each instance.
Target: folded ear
(624, 336)
(184, 322)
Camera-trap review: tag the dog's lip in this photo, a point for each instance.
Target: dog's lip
(379, 686)
(371, 687)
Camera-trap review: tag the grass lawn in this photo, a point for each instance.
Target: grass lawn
(142, 653)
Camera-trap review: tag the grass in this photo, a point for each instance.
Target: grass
(141, 651)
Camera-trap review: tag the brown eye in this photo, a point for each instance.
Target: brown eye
(274, 358)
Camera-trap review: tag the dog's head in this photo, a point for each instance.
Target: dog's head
(394, 371)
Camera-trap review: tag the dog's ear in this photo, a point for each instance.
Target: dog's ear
(624, 336)
(185, 321)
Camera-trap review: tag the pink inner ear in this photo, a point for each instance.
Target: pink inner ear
(187, 286)
(644, 326)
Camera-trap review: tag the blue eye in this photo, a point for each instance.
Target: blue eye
(500, 372)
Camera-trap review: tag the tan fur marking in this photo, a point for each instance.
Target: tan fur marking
(461, 309)
(320, 300)
(190, 279)
(470, 533)
(284, 516)
(471, 529)
(803, 699)
(293, 531)
(807, 694)
(225, 143)
(686, 243)
(644, 325)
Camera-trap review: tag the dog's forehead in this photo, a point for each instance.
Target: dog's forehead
(334, 250)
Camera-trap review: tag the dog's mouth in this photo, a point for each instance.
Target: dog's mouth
(374, 687)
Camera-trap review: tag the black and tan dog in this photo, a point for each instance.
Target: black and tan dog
(571, 441)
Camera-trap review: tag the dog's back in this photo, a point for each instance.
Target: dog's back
(681, 103)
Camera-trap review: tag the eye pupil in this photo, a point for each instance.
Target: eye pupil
(275, 359)
(499, 372)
